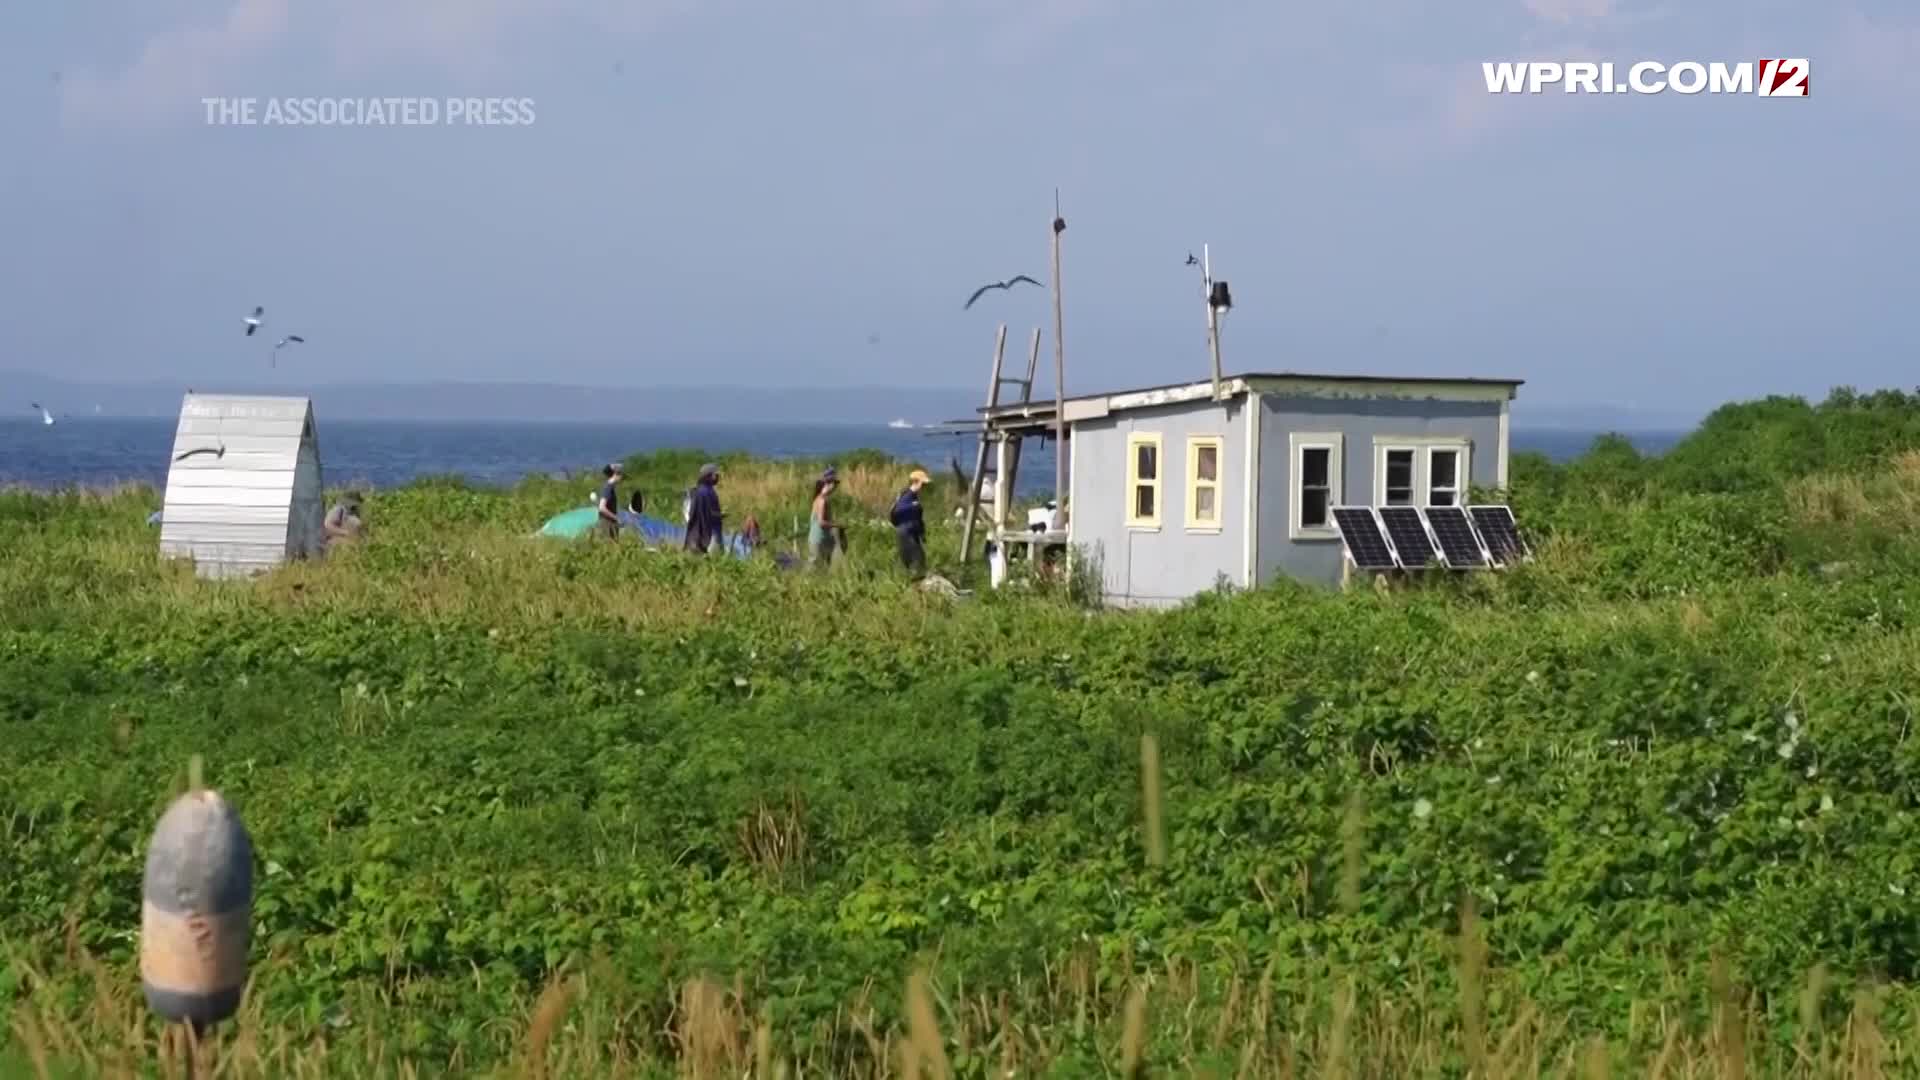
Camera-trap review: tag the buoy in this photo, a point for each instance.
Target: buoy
(197, 910)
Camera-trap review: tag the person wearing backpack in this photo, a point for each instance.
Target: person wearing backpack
(909, 524)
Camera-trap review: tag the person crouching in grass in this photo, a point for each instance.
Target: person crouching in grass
(343, 523)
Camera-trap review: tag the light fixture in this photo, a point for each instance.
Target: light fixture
(1219, 297)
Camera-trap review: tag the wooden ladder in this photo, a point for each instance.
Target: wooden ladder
(1009, 463)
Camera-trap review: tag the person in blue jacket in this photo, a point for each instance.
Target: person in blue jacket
(910, 525)
(703, 511)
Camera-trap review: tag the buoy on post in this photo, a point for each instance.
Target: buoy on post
(197, 909)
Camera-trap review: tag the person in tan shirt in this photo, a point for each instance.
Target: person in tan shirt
(343, 522)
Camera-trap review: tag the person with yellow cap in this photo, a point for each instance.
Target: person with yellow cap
(910, 525)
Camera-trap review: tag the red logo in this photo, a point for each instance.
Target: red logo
(1781, 78)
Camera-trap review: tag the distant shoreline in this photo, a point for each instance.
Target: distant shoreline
(101, 453)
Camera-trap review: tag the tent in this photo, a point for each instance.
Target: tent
(579, 522)
(572, 524)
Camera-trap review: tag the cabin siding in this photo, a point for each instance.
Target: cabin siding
(220, 479)
(305, 537)
(1359, 421)
(1167, 564)
(251, 506)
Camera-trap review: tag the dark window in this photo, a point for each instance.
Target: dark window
(1443, 477)
(1316, 486)
(1399, 478)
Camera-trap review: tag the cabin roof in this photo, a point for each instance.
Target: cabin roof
(1040, 414)
(238, 406)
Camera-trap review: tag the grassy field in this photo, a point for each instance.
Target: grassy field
(521, 807)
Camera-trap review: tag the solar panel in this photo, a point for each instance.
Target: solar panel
(1409, 535)
(1458, 542)
(1496, 527)
(1360, 531)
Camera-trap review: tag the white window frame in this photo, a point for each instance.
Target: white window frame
(1195, 443)
(1381, 449)
(1461, 472)
(1299, 442)
(1135, 440)
(1422, 447)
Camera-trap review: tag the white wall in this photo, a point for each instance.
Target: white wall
(1172, 562)
(229, 512)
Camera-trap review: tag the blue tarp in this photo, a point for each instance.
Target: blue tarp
(653, 530)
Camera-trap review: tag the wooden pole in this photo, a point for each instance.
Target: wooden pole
(980, 454)
(1059, 373)
(1033, 363)
(1006, 467)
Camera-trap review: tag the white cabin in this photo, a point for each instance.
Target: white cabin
(243, 486)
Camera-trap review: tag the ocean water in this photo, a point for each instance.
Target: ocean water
(387, 453)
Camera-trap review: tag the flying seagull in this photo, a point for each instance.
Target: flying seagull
(1191, 261)
(253, 320)
(1007, 284)
(290, 339)
(45, 416)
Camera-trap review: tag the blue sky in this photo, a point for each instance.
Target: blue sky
(740, 192)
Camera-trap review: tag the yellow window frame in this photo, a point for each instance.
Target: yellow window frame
(1135, 482)
(1195, 444)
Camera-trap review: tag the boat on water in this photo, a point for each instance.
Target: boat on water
(898, 424)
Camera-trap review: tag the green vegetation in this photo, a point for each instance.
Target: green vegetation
(1647, 804)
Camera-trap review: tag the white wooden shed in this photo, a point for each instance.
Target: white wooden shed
(243, 486)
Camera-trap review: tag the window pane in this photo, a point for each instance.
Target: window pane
(1147, 462)
(1207, 462)
(1313, 508)
(1313, 466)
(1203, 503)
(1443, 466)
(1399, 468)
(1399, 486)
(1142, 501)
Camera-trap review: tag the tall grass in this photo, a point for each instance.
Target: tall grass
(539, 808)
(1217, 1017)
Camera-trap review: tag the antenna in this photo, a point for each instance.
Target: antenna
(1059, 375)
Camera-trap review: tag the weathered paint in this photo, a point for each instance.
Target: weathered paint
(196, 910)
(1169, 563)
(256, 504)
(1320, 386)
(1290, 384)
(1359, 422)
